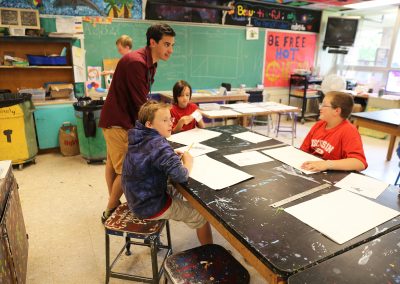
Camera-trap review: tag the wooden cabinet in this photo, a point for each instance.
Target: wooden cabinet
(13, 237)
(300, 88)
(14, 78)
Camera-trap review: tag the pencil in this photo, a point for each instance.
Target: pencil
(188, 149)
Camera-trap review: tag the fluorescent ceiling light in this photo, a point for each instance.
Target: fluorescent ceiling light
(372, 4)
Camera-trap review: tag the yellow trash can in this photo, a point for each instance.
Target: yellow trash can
(17, 129)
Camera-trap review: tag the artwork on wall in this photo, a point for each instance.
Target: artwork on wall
(131, 9)
(286, 51)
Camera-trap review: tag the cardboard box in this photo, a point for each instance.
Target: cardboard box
(60, 91)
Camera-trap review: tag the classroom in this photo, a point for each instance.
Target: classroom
(269, 126)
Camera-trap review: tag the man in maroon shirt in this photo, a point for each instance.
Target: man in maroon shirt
(129, 89)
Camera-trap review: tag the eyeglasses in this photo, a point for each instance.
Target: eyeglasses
(322, 106)
(172, 119)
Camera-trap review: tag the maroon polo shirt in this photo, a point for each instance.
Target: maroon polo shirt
(129, 89)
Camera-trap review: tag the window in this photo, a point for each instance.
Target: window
(373, 40)
(368, 62)
(396, 53)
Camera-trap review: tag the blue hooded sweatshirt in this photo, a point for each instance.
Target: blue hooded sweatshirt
(148, 164)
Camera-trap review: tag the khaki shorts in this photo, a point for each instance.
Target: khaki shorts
(117, 147)
(181, 210)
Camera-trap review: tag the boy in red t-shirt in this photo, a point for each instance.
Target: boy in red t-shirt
(185, 114)
(334, 138)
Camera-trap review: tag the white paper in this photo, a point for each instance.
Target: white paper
(220, 113)
(292, 157)
(69, 25)
(193, 136)
(209, 106)
(79, 74)
(248, 158)
(4, 166)
(78, 56)
(252, 109)
(251, 137)
(342, 215)
(238, 105)
(197, 115)
(363, 185)
(214, 174)
(65, 25)
(197, 149)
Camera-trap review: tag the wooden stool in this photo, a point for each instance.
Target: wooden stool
(205, 264)
(123, 223)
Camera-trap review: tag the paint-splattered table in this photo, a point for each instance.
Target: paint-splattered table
(274, 242)
(377, 261)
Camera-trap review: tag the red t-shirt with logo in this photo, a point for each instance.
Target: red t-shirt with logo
(340, 142)
(177, 113)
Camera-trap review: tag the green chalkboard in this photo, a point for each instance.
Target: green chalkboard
(205, 56)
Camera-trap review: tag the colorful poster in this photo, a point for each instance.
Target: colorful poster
(285, 52)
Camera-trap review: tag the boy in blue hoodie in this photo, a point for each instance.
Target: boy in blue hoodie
(148, 164)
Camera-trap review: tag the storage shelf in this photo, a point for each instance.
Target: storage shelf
(35, 67)
(299, 88)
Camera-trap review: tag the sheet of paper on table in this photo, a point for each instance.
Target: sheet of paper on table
(248, 158)
(214, 174)
(193, 136)
(251, 137)
(342, 215)
(362, 184)
(197, 149)
(292, 157)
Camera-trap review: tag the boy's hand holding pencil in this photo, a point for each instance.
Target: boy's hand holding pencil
(187, 159)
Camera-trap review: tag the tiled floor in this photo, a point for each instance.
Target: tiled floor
(62, 200)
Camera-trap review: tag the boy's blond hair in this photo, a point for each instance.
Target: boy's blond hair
(343, 100)
(124, 41)
(148, 111)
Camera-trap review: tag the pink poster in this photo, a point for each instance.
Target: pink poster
(286, 51)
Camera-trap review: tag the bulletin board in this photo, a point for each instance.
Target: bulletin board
(286, 51)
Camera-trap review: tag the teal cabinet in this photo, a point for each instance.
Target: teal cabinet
(48, 120)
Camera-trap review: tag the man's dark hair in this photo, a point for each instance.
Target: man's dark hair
(157, 31)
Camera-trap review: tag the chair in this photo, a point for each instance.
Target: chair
(147, 233)
(284, 128)
(267, 120)
(205, 264)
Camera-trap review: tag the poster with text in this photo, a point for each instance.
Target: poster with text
(286, 51)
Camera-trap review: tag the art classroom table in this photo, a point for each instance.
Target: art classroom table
(274, 242)
(387, 121)
(245, 116)
(377, 261)
(204, 97)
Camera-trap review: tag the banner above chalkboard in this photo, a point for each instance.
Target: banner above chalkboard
(274, 17)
